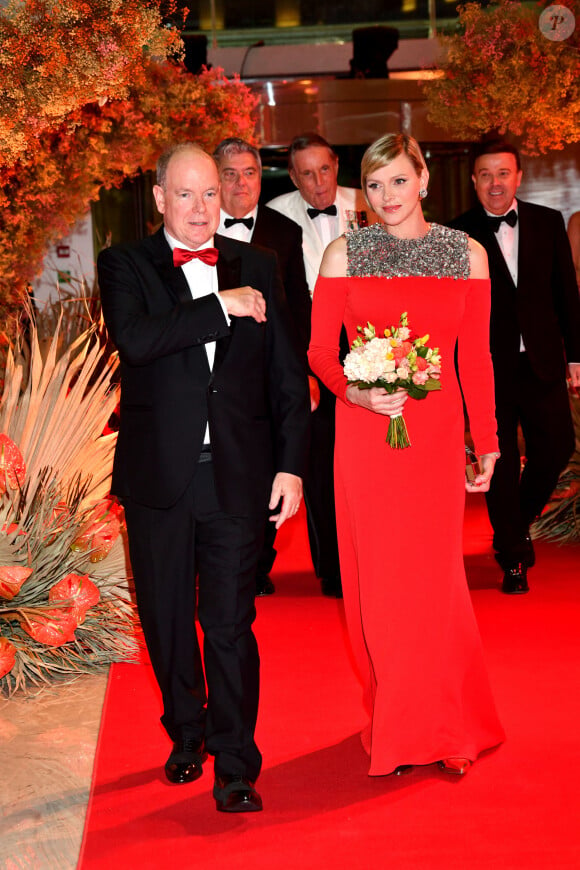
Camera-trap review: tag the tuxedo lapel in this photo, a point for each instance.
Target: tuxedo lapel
(529, 239)
(172, 277)
(229, 269)
(487, 237)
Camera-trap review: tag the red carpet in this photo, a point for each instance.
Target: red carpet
(519, 807)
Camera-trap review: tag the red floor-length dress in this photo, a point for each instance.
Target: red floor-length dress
(400, 513)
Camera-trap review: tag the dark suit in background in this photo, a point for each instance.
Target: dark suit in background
(544, 309)
(280, 234)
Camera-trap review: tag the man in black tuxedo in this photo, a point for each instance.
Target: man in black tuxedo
(213, 428)
(240, 170)
(534, 336)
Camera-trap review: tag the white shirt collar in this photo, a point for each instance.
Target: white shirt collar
(513, 207)
(173, 243)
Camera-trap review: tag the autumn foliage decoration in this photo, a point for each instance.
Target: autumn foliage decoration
(500, 73)
(55, 56)
(92, 93)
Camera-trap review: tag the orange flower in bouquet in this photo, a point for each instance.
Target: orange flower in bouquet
(80, 592)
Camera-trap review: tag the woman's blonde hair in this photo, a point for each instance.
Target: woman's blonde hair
(385, 150)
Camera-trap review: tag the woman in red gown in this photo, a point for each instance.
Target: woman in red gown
(400, 511)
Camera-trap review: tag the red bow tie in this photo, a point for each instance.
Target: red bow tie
(206, 255)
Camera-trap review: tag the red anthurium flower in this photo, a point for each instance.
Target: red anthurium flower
(102, 530)
(7, 656)
(79, 591)
(11, 579)
(12, 466)
(53, 627)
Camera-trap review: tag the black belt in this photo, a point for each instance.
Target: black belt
(205, 455)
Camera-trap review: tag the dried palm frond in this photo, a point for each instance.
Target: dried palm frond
(55, 408)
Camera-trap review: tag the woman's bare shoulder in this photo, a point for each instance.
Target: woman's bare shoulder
(334, 260)
(478, 260)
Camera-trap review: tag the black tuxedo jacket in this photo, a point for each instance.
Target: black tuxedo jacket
(544, 307)
(255, 399)
(284, 236)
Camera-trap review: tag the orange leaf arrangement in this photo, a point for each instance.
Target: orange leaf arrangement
(501, 73)
(7, 656)
(84, 104)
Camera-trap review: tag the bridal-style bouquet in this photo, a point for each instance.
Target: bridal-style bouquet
(398, 360)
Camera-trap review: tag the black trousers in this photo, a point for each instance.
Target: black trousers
(318, 497)
(514, 501)
(319, 489)
(168, 548)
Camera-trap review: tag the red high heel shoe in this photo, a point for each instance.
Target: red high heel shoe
(458, 766)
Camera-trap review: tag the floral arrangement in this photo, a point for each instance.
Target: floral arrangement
(116, 103)
(501, 74)
(400, 360)
(64, 602)
(56, 56)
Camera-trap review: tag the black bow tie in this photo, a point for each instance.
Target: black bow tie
(247, 222)
(314, 212)
(510, 218)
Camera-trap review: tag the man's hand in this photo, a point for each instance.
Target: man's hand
(314, 392)
(287, 487)
(244, 302)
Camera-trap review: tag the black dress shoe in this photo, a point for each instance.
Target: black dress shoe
(515, 581)
(236, 794)
(402, 769)
(331, 587)
(185, 761)
(264, 585)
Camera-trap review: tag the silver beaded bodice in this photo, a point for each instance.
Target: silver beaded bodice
(441, 253)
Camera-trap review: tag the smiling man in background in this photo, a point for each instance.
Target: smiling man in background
(534, 337)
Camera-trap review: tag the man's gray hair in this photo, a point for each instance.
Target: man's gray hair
(234, 145)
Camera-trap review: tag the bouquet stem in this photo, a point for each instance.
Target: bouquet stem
(397, 434)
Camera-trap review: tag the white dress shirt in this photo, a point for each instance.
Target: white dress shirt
(326, 226)
(508, 239)
(238, 231)
(202, 280)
